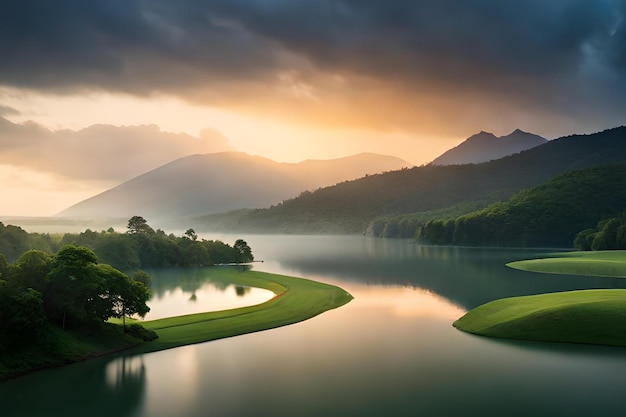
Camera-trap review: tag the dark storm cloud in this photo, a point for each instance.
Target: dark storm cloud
(125, 45)
(554, 52)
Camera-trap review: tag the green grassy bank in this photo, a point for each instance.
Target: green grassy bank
(296, 300)
(589, 316)
(601, 263)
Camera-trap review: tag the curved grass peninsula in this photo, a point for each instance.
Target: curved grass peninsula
(296, 300)
(587, 316)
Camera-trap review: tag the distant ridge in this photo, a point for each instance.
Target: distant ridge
(350, 207)
(485, 146)
(218, 182)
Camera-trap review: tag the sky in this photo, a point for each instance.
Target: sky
(95, 92)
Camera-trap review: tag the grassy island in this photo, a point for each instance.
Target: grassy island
(601, 263)
(296, 300)
(588, 316)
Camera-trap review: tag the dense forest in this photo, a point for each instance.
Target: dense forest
(548, 215)
(609, 234)
(57, 292)
(139, 247)
(351, 206)
(51, 306)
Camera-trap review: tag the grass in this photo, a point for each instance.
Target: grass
(601, 263)
(589, 316)
(296, 300)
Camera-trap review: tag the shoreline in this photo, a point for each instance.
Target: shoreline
(295, 300)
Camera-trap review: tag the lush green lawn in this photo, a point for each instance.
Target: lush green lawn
(590, 316)
(601, 263)
(296, 300)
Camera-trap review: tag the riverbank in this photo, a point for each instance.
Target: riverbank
(587, 316)
(296, 300)
(600, 263)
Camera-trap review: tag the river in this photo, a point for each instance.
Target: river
(391, 351)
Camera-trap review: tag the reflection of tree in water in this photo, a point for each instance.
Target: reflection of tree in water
(189, 280)
(108, 387)
(241, 291)
(123, 390)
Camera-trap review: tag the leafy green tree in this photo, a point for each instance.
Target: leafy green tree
(74, 290)
(13, 241)
(584, 239)
(83, 291)
(243, 253)
(118, 250)
(122, 296)
(196, 254)
(191, 234)
(143, 277)
(31, 270)
(138, 224)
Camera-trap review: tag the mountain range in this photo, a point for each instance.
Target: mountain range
(484, 147)
(219, 182)
(350, 207)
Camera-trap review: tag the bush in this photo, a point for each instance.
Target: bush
(140, 332)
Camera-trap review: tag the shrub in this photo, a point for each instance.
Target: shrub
(140, 332)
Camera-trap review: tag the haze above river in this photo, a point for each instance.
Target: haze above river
(392, 351)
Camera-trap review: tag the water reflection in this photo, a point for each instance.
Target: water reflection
(97, 388)
(178, 291)
(466, 276)
(390, 352)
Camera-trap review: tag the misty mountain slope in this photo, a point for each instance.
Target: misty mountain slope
(350, 206)
(212, 183)
(484, 147)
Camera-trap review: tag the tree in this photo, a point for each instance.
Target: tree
(83, 291)
(138, 224)
(30, 270)
(196, 254)
(143, 277)
(123, 296)
(74, 286)
(242, 251)
(191, 234)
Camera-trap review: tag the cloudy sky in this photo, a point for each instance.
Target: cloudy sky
(95, 92)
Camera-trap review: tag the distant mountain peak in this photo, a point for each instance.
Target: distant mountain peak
(219, 182)
(485, 146)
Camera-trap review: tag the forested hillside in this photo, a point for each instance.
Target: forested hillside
(548, 215)
(350, 207)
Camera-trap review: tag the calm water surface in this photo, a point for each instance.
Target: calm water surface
(179, 291)
(392, 351)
